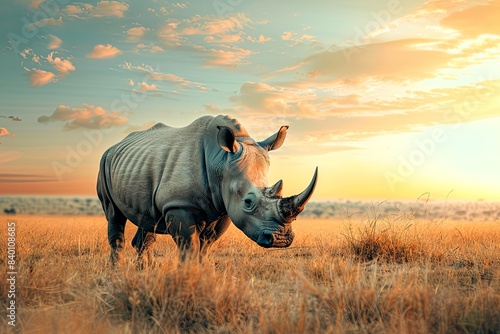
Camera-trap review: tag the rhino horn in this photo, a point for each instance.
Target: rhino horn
(275, 191)
(290, 207)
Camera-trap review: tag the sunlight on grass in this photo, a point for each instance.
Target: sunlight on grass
(365, 274)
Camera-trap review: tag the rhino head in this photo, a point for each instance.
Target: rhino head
(254, 207)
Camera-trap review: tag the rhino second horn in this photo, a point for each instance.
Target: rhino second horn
(290, 207)
(275, 191)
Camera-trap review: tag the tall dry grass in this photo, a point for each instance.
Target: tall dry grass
(369, 275)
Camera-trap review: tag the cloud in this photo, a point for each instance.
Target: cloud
(12, 118)
(109, 8)
(256, 98)
(176, 80)
(87, 117)
(149, 47)
(102, 9)
(55, 42)
(103, 51)
(147, 88)
(40, 78)
(78, 9)
(10, 156)
(475, 21)
(21, 178)
(261, 39)
(5, 132)
(227, 30)
(209, 25)
(136, 33)
(50, 21)
(223, 39)
(295, 39)
(63, 67)
(397, 61)
(169, 36)
(35, 4)
(229, 57)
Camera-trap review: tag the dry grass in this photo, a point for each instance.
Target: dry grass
(391, 275)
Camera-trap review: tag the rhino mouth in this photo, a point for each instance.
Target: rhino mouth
(275, 238)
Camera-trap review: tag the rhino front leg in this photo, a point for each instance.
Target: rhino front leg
(181, 225)
(141, 242)
(212, 232)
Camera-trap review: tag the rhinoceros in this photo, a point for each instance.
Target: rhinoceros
(191, 182)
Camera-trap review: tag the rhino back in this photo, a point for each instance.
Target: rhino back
(160, 168)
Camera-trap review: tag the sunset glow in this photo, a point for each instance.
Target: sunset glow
(391, 99)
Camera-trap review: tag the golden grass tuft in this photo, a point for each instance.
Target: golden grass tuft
(398, 274)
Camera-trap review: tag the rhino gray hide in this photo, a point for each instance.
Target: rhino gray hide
(191, 183)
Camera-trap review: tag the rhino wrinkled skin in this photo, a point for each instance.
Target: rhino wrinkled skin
(191, 182)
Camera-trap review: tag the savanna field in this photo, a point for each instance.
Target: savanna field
(370, 271)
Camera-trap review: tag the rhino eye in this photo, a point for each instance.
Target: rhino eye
(249, 202)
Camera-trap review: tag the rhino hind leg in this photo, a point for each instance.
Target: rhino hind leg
(141, 242)
(116, 239)
(116, 229)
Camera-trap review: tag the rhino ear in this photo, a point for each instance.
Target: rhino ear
(226, 139)
(275, 141)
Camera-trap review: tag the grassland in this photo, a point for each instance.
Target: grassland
(398, 274)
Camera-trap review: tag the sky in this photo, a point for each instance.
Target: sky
(390, 99)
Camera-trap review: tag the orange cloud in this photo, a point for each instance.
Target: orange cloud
(5, 132)
(102, 9)
(86, 117)
(227, 57)
(475, 21)
(260, 98)
(55, 42)
(223, 39)
(50, 21)
(104, 51)
(145, 87)
(261, 39)
(40, 78)
(399, 61)
(63, 67)
(136, 33)
(110, 8)
(169, 36)
(208, 25)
